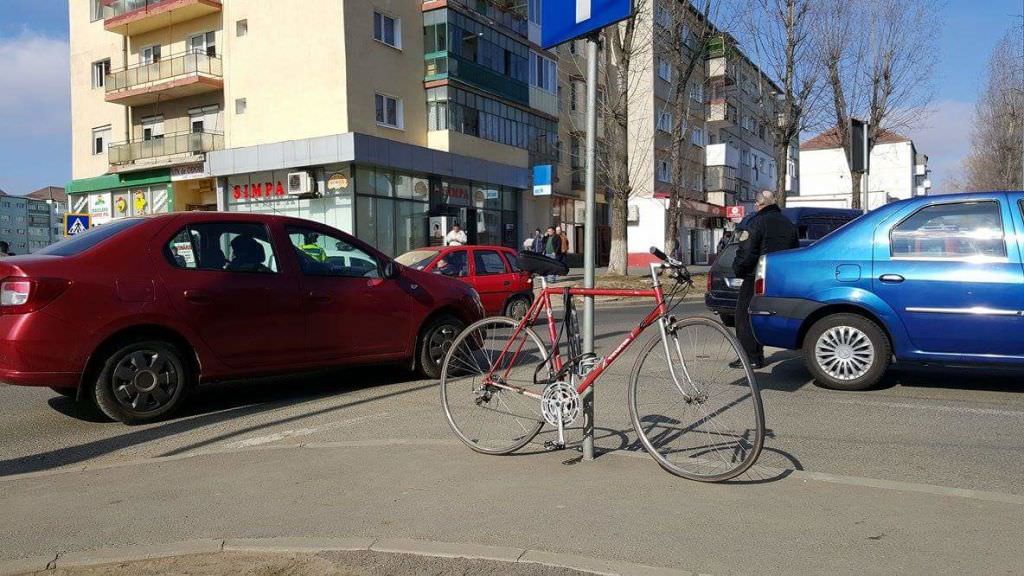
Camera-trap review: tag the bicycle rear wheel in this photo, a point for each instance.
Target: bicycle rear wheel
(698, 417)
(488, 418)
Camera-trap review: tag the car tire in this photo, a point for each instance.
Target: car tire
(66, 392)
(517, 307)
(728, 320)
(846, 352)
(437, 338)
(142, 382)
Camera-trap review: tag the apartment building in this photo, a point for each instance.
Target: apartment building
(31, 222)
(898, 171)
(730, 154)
(373, 116)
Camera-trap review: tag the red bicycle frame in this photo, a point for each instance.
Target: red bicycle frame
(543, 304)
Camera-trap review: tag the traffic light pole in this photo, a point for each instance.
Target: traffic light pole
(589, 233)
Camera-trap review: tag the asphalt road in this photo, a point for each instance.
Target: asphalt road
(950, 429)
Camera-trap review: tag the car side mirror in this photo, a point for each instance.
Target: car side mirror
(391, 270)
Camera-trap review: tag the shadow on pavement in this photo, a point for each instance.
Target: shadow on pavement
(216, 403)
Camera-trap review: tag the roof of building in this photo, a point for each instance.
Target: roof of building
(830, 139)
(55, 193)
(2, 193)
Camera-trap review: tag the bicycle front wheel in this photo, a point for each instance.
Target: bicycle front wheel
(488, 418)
(698, 417)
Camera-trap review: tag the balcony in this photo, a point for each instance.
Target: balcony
(164, 151)
(720, 110)
(131, 17)
(170, 78)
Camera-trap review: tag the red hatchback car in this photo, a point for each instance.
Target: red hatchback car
(133, 313)
(492, 270)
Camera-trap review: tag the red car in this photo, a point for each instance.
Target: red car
(492, 270)
(135, 312)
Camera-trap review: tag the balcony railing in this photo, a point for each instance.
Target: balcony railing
(132, 17)
(185, 143)
(119, 7)
(192, 64)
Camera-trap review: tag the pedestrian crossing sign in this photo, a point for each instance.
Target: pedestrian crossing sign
(75, 224)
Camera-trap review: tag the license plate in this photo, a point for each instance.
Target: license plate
(734, 282)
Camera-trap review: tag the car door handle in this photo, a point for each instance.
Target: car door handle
(508, 283)
(891, 278)
(197, 297)
(318, 298)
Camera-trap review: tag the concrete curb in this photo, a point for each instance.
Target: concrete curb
(296, 545)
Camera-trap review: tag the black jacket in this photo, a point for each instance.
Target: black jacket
(768, 231)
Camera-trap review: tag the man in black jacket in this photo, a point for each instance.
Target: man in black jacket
(768, 231)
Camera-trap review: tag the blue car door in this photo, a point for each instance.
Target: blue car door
(951, 270)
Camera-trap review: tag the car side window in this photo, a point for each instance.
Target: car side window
(513, 262)
(454, 263)
(326, 255)
(230, 246)
(951, 231)
(488, 263)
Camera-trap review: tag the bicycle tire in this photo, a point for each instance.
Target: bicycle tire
(506, 424)
(714, 456)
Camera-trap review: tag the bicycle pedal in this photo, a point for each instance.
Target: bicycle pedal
(552, 445)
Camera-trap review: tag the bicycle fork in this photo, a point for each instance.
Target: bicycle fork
(663, 328)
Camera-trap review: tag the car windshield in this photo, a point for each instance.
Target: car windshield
(82, 242)
(417, 259)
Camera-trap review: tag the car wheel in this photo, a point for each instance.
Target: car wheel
(517, 307)
(437, 339)
(66, 392)
(846, 352)
(142, 381)
(728, 320)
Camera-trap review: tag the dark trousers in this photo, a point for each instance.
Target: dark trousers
(755, 352)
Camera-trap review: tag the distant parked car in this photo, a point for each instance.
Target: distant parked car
(134, 313)
(933, 280)
(723, 288)
(492, 270)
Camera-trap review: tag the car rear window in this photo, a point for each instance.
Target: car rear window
(86, 240)
(724, 261)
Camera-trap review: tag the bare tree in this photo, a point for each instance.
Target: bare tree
(879, 56)
(994, 162)
(685, 46)
(782, 35)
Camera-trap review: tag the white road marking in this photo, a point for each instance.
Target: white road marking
(300, 432)
(955, 409)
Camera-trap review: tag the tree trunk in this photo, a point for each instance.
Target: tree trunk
(671, 227)
(855, 190)
(781, 169)
(618, 260)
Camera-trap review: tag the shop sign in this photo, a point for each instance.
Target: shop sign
(188, 171)
(458, 195)
(542, 179)
(438, 228)
(735, 213)
(337, 182)
(122, 205)
(99, 208)
(258, 190)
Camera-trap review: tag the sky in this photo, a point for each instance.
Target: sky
(35, 139)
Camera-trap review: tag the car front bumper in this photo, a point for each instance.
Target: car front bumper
(777, 321)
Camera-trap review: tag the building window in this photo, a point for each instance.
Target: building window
(203, 44)
(533, 11)
(387, 30)
(389, 111)
(241, 28)
(203, 119)
(664, 70)
(665, 121)
(543, 73)
(99, 73)
(664, 172)
(662, 16)
(240, 105)
(100, 140)
(572, 95)
(95, 10)
(697, 137)
(149, 54)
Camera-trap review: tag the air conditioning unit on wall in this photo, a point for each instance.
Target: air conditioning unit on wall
(300, 183)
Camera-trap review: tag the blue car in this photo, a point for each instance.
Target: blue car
(930, 280)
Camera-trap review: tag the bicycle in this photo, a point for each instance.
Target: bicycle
(698, 427)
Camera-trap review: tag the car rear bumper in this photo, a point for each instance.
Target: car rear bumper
(777, 321)
(721, 303)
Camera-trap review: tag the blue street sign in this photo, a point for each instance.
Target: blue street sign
(564, 20)
(75, 224)
(542, 180)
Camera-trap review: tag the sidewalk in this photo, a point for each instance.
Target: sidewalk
(621, 507)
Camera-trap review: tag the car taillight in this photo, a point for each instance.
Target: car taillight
(24, 295)
(760, 276)
(709, 282)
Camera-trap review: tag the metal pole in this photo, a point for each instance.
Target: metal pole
(589, 233)
(866, 194)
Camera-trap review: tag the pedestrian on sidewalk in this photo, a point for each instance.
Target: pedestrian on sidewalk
(768, 231)
(552, 249)
(563, 243)
(5, 249)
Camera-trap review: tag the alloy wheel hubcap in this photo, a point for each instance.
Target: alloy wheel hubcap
(844, 353)
(440, 342)
(144, 381)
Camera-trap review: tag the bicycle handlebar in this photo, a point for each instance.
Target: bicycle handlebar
(666, 259)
